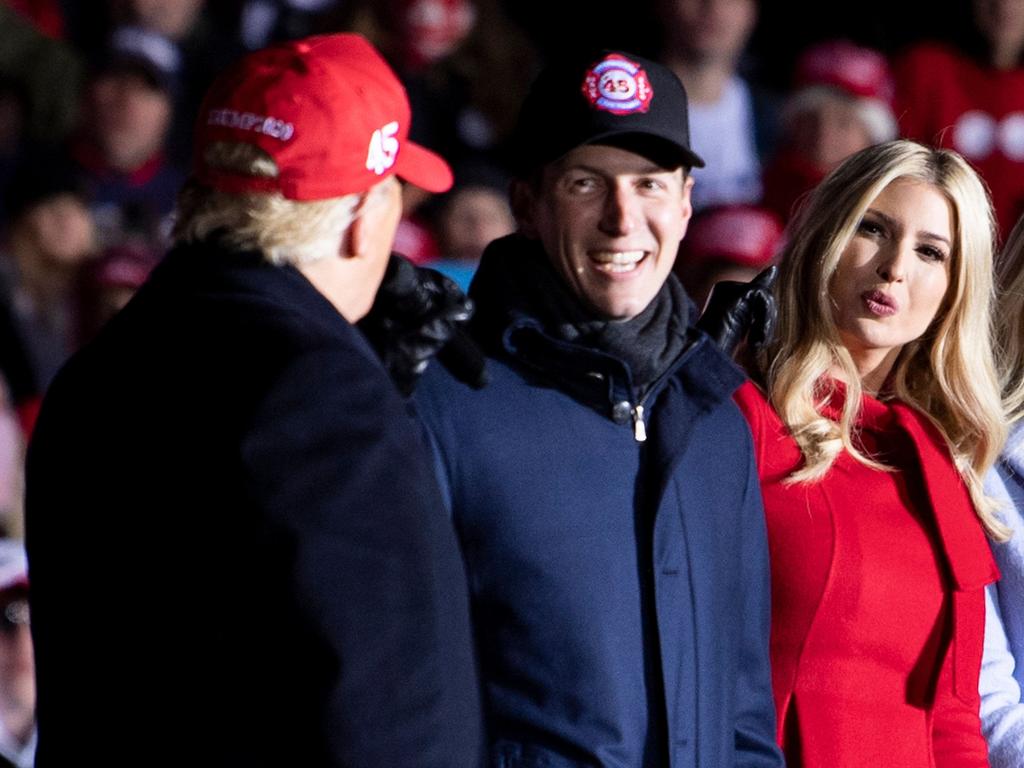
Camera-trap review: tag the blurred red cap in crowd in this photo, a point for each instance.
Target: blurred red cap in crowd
(433, 29)
(45, 15)
(858, 71)
(746, 235)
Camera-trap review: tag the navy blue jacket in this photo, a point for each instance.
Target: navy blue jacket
(619, 588)
(238, 551)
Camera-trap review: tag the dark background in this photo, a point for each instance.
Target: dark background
(784, 28)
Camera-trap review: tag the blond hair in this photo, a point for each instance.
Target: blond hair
(285, 231)
(948, 374)
(1010, 322)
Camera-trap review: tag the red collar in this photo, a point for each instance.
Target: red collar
(963, 538)
(88, 155)
(874, 414)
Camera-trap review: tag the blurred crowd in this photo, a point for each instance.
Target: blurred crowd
(97, 103)
(98, 99)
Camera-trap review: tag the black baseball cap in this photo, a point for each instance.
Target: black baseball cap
(608, 97)
(39, 177)
(156, 58)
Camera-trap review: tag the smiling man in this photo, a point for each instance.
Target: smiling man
(603, 485)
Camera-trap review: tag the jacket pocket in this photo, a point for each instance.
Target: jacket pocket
(513, 754)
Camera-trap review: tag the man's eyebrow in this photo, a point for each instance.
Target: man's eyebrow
(646, 170)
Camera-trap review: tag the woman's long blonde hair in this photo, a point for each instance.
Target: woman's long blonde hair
(948, 373)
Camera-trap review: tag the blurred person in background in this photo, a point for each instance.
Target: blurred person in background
(13, 438)
(471, 215)
(48, 16)
(465, 64)
(1002, 671)
(51, 235)
(201, 32)
(119, 151)
(14, 113)
(731, 120)
(841, 102)
(108, 282)
(969, 95)
(18, 381)
(259, 23)
(174, 19)
(728, 242)
(17, 665)
(48, 68)
(466, 67)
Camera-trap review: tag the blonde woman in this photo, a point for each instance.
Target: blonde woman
(1002, 670)
(878, 416)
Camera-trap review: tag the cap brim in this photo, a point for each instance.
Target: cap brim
(137, 65)
(657, 147)
(532, 154)
(424, 168)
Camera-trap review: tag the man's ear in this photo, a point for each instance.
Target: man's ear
(522, 197)
(687, 209)
(355, 241)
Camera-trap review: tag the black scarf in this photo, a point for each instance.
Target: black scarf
(516, 279)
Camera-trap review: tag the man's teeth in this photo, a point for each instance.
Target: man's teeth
(617, 261)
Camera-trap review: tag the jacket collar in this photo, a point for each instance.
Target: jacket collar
(508, 325)
(963, 539)
(211, 266)
(873, 414)
(90, 158)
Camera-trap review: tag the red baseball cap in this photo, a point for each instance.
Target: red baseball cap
(858, 71)
(740, 234)
(330, 112)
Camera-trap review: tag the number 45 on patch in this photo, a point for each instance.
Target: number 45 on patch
(383, 148)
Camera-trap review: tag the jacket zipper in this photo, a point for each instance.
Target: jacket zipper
(639, 428)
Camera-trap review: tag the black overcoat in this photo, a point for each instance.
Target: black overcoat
(237, 549)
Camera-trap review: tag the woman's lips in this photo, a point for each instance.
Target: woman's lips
(880, 303)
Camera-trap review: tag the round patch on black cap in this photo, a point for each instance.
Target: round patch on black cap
(617, 85)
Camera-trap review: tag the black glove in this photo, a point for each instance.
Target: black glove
(738, 311)
(419, 313)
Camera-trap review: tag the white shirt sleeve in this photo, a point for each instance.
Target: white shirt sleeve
(1002, 711)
